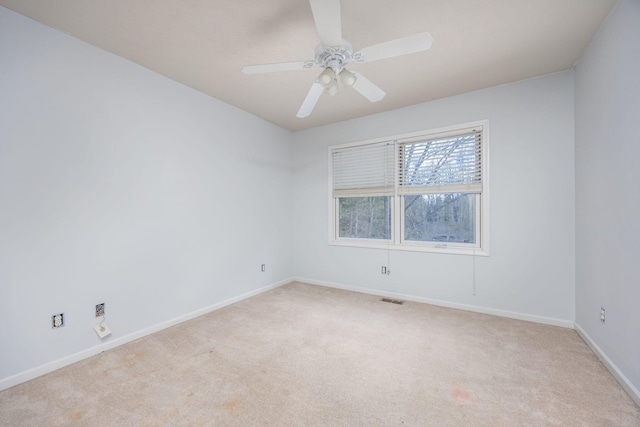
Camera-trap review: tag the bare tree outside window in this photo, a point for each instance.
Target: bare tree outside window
(440, 218)
(365, 217)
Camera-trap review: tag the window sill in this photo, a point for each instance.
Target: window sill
(441, 248)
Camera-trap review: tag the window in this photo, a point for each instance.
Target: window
(424, 192)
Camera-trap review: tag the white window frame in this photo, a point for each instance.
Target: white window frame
(397, 241)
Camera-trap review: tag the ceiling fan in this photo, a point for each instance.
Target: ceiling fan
(334, 53)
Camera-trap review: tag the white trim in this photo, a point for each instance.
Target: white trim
(466, 307)
(441, 131)
(30, 374)
(624, 382)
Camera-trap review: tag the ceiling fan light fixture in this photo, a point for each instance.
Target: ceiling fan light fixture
(326, 77)
(347, 77)
(333, 88)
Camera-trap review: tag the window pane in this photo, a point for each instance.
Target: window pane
(440, 218)
(443, 161)
(365, 217)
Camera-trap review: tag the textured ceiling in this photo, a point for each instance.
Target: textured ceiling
(205, 43)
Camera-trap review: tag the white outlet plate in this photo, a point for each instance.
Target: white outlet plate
(102, 330)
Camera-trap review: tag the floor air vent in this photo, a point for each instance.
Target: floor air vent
(392, 301)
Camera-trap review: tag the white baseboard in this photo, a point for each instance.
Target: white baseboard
(30, 374)
(466, 307)
(624, 382)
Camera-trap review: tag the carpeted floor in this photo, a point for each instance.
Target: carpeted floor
(304, 355)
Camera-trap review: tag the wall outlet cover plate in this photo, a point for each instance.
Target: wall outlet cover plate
(102, 330)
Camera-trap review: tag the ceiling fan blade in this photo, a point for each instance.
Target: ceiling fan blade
(403, 46)
(280, 66)
(310, 100)
(367, 89)
(326, 14)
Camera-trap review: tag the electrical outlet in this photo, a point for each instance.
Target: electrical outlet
(384, 270)
(602, 314)
(99, 309)
(57, 320)
(263, 267)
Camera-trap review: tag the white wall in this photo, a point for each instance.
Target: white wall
(530, 269)
(607, 108)
(118, 185)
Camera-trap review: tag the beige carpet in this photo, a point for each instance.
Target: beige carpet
(303, 355)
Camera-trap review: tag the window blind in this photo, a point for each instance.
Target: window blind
(365, 170)
(445, 164)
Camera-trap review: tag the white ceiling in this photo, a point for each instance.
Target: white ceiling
(204, 44)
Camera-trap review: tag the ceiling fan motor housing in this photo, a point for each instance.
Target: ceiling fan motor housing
(335, 57)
